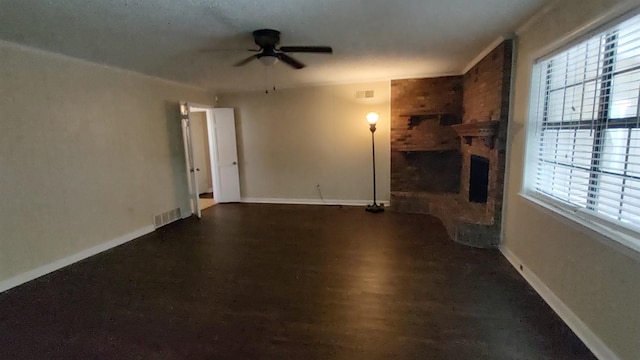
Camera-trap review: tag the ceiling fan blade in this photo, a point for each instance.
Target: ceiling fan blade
(290, 61)
(307, 49)
(246, 61)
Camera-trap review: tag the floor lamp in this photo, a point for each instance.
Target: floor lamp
(372, 119)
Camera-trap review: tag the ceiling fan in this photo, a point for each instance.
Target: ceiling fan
(269, 52)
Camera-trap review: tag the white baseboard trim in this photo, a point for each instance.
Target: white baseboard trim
(59, 264)
(310, 201)
(591, 340)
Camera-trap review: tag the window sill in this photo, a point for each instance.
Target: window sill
(592, 226)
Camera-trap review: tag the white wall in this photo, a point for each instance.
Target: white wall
(87, 154)
(594, 280)
(289, 141)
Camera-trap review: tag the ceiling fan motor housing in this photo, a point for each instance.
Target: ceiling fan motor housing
(266, 38)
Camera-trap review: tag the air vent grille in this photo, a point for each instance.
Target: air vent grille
(166, 217)
(364, 94)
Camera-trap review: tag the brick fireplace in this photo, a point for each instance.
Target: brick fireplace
(448, 147)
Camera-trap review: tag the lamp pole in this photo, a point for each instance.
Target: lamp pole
(372, 119)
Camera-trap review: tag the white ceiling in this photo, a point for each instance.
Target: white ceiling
(372, 39)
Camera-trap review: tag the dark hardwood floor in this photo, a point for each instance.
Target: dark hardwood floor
(286, 282)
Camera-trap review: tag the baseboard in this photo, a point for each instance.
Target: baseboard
(591, 340)
(59, 264)
(311, 201)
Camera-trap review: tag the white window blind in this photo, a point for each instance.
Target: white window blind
(585, 103)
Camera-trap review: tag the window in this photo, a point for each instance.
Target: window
(586, 146)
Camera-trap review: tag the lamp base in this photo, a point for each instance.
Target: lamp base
(375, 208)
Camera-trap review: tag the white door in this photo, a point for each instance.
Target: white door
(188, 158)
(228, 189)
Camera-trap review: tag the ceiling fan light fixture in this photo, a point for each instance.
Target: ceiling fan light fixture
(268, 60)
(269, 53)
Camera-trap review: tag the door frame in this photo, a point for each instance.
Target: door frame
(214, 155)
(211, 137)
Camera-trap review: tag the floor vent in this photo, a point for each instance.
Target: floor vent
(166, 217)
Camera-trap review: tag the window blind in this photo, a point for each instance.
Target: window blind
(585, 102)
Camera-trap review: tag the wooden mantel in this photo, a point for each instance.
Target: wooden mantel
(485, 129)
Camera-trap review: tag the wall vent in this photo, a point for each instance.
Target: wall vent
(364, 94)
(166, 217)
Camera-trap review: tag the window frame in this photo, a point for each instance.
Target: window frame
(584, 217)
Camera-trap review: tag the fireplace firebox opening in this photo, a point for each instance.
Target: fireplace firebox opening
(479, 179)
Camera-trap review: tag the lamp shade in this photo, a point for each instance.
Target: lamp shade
(372, 118)
(268, 60)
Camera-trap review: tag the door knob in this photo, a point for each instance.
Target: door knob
(197, 169)
(234, 163)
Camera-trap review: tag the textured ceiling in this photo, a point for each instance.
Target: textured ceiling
(372, 39)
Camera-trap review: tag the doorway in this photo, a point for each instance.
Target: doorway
(202, 161)
(211, 158)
